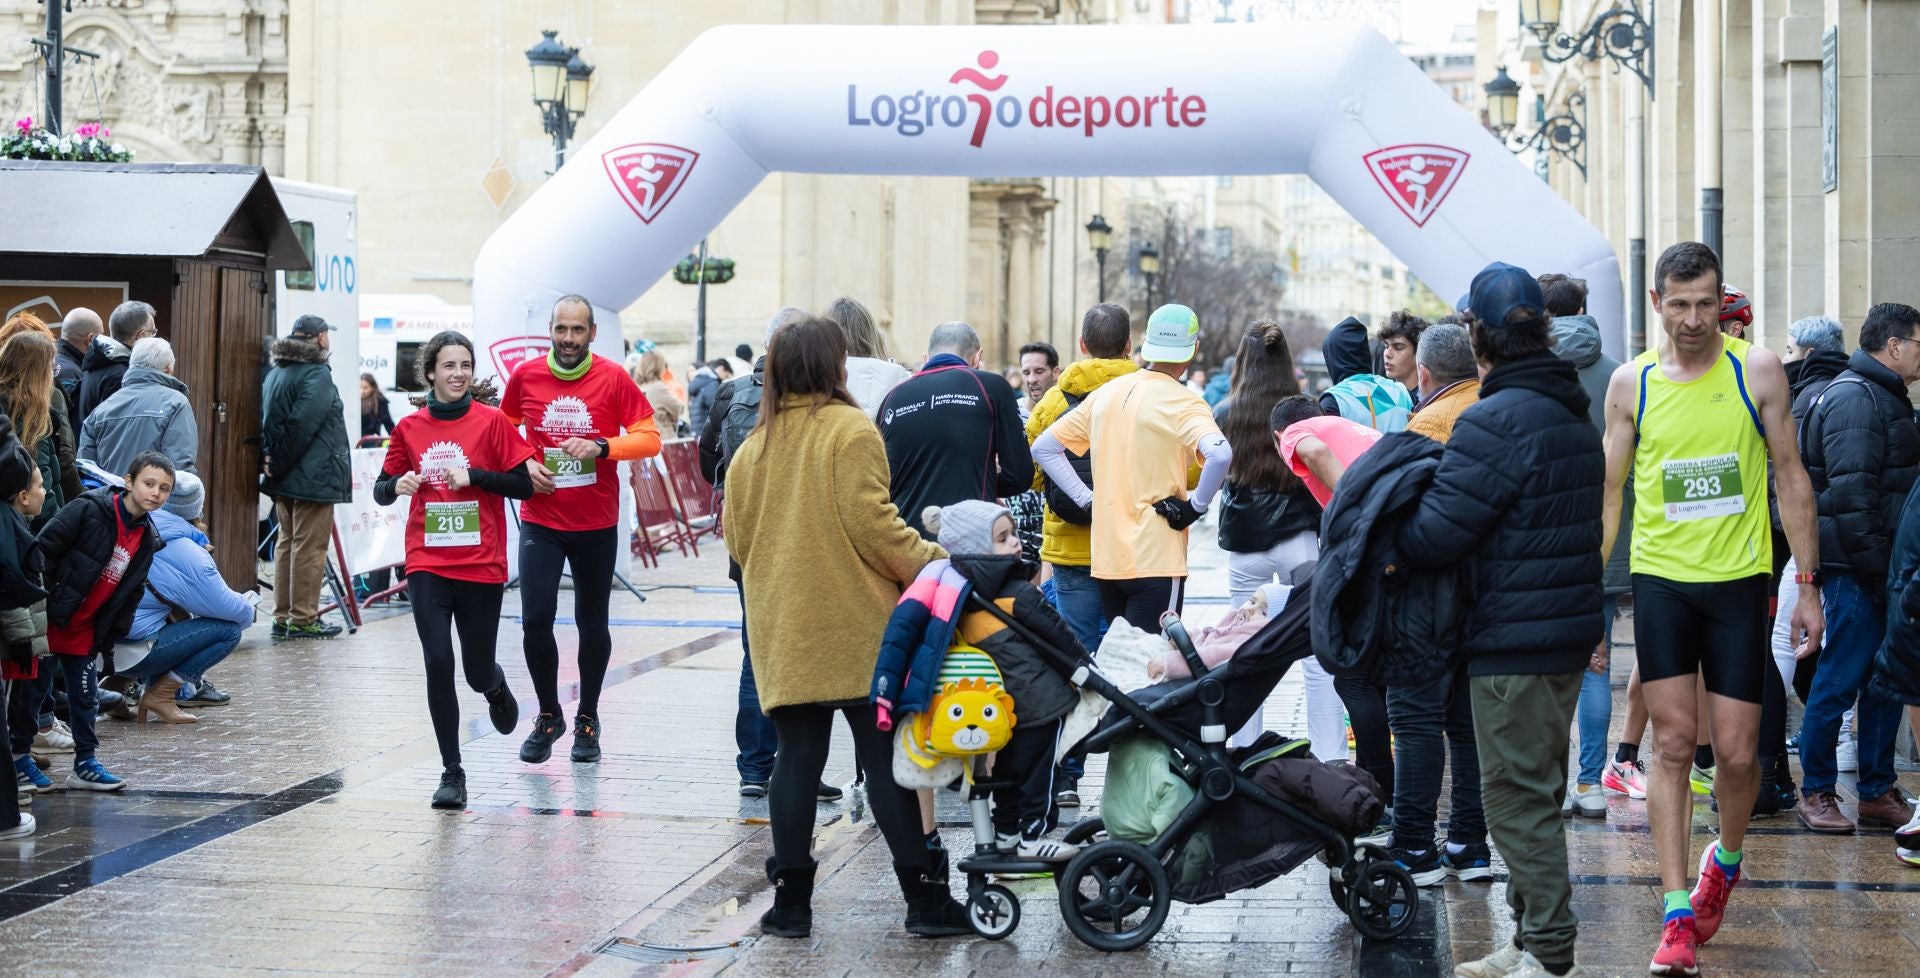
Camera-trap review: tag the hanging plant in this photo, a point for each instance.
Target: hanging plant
(88, 143)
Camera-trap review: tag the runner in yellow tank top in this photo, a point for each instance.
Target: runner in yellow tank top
(1695, 423)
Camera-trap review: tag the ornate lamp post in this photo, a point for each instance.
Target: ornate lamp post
(1564, 134)
(1100, 238)
(560, 84)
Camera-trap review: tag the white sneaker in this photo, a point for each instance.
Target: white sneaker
(56, 738)
(1587, 801)
(1846, 756)
(1530, 968)
(21, 831)
(1047, 850)
(1506, 961)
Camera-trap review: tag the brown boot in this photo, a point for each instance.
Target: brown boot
(1820, 812)
(158, 699)
(1889, 811)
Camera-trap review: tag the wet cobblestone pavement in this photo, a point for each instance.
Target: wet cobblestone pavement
(288, 833)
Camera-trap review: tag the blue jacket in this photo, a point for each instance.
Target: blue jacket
(914, 645)
(184, 572)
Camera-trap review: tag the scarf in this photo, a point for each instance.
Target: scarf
(553, 364)
(449, 410)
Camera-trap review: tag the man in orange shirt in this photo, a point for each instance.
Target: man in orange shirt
(1449, 380)
(1142, 431)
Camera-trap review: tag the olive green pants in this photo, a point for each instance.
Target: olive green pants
(1521, 724)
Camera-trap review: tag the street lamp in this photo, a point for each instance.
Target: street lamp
(1620, 34)
(560, 81)
(1149, 267)
(1100, 238)
(1564, 134)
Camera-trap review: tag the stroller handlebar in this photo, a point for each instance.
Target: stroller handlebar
(1176, 632)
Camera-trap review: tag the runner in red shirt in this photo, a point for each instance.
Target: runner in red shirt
(582, 414)
(457, 459)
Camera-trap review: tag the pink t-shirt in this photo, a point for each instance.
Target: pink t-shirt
(1348, 440)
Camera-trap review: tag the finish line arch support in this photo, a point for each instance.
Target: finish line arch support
(1337, 102)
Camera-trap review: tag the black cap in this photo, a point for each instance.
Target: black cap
(16, 469)
(1500, 289)
(310, 326)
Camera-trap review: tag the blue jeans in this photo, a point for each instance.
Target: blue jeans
(753, 731)
(1595, 712)
(1420, 715)
(187, 649)
(1077, 597)
(1855, 629)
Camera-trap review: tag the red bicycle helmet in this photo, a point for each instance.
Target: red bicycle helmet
(1734, 305)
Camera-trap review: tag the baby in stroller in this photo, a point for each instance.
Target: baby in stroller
(985, 550)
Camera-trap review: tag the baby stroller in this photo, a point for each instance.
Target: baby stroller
(1115, 894)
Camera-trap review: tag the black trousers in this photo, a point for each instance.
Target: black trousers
(1025, 807)
(1366, 706)
(591, 554)
(1141, 600)
(442, 605)
(805, 733)
(1420, 714)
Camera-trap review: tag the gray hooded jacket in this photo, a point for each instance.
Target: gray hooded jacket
(149, 412)
(1576, 339)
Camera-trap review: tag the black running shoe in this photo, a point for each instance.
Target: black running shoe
(753, 789)
(503, 709)
(586, 739)
(827, 792)
(453, 789)
(547, 728)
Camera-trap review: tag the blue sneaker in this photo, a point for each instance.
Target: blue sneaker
(1425, 866)
(30, 777)
(91, 775)
(1475, 863)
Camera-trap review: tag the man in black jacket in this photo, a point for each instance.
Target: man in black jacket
(76, 337)
(1863, 453)
(953, 431)
(1518, 494)
(106, 361)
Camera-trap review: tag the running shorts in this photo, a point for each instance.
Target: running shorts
(1716, 628)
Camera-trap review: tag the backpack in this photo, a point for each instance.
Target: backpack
(743, 413)
(1058, 501)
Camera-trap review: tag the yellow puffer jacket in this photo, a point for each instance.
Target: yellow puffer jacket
(1064, 542)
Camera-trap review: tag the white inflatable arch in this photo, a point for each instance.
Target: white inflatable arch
(1337, 102)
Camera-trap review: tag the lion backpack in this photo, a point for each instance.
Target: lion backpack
(970, 714)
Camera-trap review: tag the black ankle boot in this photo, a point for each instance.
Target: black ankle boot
(792, 913)
(931, 910)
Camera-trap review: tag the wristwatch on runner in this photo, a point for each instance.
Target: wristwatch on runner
(605, 449)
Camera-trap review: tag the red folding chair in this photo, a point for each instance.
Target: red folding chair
(654, 515)
(699, 509)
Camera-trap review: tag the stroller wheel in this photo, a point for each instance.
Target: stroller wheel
(1087, 831)
(1382, 901)
(1114, 895)
(994, 913)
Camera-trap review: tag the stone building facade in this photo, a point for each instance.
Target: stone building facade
(1797, 245)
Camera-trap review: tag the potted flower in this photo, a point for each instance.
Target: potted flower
(88, 143)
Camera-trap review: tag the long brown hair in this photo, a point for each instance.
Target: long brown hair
(1262, 375)
(26, 384)
(22, 322)
(864, 339)
(806, 357)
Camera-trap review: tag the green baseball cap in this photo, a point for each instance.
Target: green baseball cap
(1173, 332)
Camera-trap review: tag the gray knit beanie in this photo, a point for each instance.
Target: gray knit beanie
(964, 527)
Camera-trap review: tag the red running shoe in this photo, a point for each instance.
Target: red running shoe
(1709, 896)
(1675, 956)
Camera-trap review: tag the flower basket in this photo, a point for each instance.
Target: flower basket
(88, 143)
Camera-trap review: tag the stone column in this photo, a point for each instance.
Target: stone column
(1849, 206)
(1893, 149)
(236, 121)
(984, 261)
(1804, 213)
(1018, 327)
(273, 127)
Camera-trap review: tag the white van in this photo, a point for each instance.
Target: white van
(326, 221)
(393, 328)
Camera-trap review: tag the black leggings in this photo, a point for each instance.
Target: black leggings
(805, 732)
(1366, 704)
(440, 606)
(590, 553)
(1141, 600)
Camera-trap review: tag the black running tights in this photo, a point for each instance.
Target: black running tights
(442, 605)
(805, 732)
(590, 554)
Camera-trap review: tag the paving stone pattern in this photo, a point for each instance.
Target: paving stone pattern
(288, 833)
